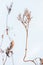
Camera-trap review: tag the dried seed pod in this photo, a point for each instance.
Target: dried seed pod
(8, 51)
(12, 44)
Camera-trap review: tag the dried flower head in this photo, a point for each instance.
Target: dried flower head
(27, 14)
(26, 18)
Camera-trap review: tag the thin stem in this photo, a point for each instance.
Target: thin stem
(9, 37)
(7, 21)
(26, 43)
(12, 60)
(26, 38)
(5, 60)
(1, 43)
(25, 60)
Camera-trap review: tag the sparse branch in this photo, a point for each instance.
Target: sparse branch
(21, 20)
(7, 51)
(12, 59)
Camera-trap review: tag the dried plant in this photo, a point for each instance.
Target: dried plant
(8, 51)
(25, 20)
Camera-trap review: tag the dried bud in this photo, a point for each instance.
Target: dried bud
(12, 44)
(9, 8)
(27, 14)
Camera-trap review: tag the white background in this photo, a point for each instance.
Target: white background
(17, 30)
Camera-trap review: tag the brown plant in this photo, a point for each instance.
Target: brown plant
(25, 20)
(9, 49)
